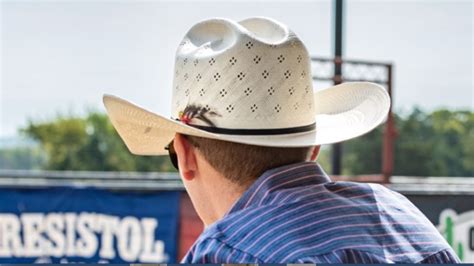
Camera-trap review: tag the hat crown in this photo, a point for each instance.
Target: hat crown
(252, 74)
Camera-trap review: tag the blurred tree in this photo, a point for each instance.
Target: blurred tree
(324, 157)
(428, 144)
(363, 155)
(89, 143)
(21, 158)
(414, 145)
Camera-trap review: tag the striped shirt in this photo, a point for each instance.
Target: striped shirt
(295, 214)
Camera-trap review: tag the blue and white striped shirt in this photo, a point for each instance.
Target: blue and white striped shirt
(295, 214)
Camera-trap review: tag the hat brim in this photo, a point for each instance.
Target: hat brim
(343, 112)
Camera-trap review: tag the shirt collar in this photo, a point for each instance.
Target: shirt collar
(283, 177)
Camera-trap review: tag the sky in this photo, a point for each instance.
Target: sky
(61, 56)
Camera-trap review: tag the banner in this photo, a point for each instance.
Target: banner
(59, 225)
(458, 229)
(454, 217)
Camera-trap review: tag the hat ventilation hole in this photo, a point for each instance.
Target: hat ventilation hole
(249, 45)
(230, 108)
(271, 90)
(248, 91)
(253, 108)
(291, 90)
(257, 59)
(281, 58)
(217, 76)
(278, 108)
(223, 93)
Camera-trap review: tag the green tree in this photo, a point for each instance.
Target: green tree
(90, 143)
(21, 158)
(440, 143)
(362, 155)
(413, 146)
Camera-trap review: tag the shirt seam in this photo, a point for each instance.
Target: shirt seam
(228, 245)
(436, 253)
(381, 258)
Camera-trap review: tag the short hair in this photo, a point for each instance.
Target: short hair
(243, 163)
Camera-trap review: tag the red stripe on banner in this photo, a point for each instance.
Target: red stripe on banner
(190, 226)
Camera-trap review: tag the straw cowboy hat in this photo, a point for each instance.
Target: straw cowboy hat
(249, 82)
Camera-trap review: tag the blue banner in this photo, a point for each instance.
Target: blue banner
(59, 225)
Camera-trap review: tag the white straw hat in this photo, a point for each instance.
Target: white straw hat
(249, 82)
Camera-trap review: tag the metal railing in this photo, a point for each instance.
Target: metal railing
(109, 180)
(156, 181)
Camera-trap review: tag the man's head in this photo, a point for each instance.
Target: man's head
(239, 163)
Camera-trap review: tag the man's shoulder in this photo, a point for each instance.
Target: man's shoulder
(321, 225)
(208, 249)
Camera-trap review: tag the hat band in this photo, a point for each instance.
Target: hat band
(269, 131)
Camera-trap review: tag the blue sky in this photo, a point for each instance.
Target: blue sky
(61, 56)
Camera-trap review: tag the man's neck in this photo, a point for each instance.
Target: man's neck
(222, 195)
(212, 194)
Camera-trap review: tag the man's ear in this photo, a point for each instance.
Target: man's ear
(315, 153)
(186, 157)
